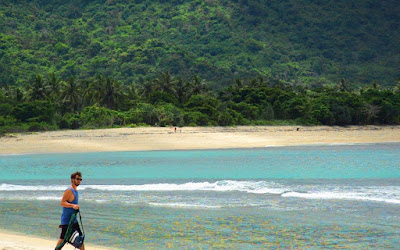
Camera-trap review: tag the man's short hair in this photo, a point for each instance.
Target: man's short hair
(73, 175)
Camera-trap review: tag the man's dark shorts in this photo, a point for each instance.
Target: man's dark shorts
(64, 230)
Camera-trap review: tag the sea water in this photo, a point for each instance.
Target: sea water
(309, 197)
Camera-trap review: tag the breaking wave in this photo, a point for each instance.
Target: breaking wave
(387, 194)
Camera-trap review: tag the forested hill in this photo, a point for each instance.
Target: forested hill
(308, 41)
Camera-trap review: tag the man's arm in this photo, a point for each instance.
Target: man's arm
(66, 197)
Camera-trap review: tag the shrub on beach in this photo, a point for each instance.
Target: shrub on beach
(34, 111)
(97, 117)
(7, 121)
(196, 118)
(70, 121)
(12, 129)
(5, 109)
(40, 126)
(9, 125)
(142, 113)
(169, 115)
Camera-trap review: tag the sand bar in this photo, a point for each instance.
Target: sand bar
(154, 138)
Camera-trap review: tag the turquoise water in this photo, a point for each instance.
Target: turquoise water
(291, 197)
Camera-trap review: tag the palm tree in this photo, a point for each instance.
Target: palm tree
(165, 83)
(53, 85)
(94, 92)
(146, 88)
(181, 91)
(197, 85)
(85, 86)
(12, 93)
(238, 84)
(112, 94)
(38, 91)
(253, 83)
(372, 112)
(343, 86)
(70, 94)
(105, 92)
(132, 91)
(19, 95)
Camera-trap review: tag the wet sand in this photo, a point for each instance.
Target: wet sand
(16, 241)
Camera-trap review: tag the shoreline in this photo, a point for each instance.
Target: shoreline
(192, 138)
(12, 240)
(274, 146)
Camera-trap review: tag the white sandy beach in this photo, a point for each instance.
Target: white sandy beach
(138, 139)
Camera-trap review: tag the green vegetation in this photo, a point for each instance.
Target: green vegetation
(51, 103)
(302, 42)
(197, 63)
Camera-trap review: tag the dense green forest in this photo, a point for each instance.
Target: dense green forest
(299, 42)
(50, 103)
(92, 63)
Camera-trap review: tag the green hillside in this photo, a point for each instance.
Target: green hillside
(310, 42)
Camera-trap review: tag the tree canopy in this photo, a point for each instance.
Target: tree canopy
(309, 42)
(167, 100)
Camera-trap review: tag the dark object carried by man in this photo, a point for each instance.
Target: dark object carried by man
(72, 235)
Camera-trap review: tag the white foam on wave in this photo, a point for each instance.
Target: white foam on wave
(341, 196)
(101, 201)
(47, 198)
(257, 187)
(12, 187)
(184, 205)
(388, 194)
(30, 198)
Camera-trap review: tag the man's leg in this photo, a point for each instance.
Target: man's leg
(63, 231)
(59, 242)
(83, 246)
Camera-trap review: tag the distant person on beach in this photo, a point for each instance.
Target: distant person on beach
(69, 202)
